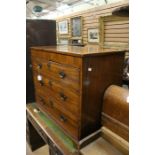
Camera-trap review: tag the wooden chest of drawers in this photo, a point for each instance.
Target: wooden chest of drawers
(70, 83)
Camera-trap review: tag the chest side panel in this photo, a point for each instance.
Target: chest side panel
(98, 73)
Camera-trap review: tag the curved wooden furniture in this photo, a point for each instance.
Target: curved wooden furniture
(115, 117)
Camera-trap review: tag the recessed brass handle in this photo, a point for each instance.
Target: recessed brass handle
(62, 75)
(63, 97)
(63, 118)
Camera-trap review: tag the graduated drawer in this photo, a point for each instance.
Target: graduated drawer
(63, 94)
(69, 109)
(63, 120)
(64, 74)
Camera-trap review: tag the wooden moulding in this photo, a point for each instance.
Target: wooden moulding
(116, 140)
(43, 129)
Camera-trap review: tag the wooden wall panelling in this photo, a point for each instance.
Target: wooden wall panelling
(116, 32)
(92, 19)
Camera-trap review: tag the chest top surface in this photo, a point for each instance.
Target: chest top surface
(77, 51)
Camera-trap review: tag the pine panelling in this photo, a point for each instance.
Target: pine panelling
(121, 26)
(94, 10)
(126, 40)
(116, 32)
(125, 35)
(116, 23)
(91, 19)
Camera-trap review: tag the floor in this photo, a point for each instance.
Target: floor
(41, 151)
(100, 147)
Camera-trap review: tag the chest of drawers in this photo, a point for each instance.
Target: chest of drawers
(70, 83)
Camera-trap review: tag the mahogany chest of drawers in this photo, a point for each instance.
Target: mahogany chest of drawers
(70, 82)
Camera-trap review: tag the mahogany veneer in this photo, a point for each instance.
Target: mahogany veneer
(70, 83)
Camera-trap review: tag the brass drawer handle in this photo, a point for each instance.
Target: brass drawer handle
(62, 75)
(63, 97)
(41, 82)
(63, 118)
(49, 64)
(39, 66)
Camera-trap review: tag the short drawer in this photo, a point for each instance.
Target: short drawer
(66, 75)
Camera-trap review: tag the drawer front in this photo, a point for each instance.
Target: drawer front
(65, 101)
(65, 75)
(51, 104)
(62, 94)
(63, 120)
(57, 57)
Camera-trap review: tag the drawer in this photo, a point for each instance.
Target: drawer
(62, 94)
(51, 104)
(63, 74)
(71, 110)
(63, 120)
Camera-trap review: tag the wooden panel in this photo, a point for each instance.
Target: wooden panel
(115, 18)
(66, 74)
(121, 26)
(126, 40)
(116, 31)
(125, 35)
(117, 141)
(65, 122)
(100, 147)
(104, 8)
(115, 111)
(59, 58)
(93, 90)
(91, 20)
(116, 22)
(72, 110)
(56, 137)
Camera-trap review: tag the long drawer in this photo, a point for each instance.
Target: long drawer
(66, 75)
(65, 101)
(65, 108)
(63, 120)
(63, 94)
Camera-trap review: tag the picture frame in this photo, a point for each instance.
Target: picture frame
(93, 35)
(63, 27)
(76, 26)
